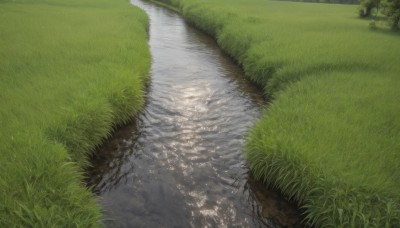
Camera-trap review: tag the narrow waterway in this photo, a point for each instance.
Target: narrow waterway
(181, 163)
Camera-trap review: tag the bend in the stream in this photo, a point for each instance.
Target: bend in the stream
(180, 163)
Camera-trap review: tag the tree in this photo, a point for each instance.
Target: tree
(391, 8)
(366, 7)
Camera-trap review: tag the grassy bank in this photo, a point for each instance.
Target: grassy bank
(330, 140)
(69, 71)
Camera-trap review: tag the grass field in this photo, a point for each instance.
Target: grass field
(69, 71)
(330, 140)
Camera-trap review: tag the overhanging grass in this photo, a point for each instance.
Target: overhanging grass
(330, 139)
(69, 72)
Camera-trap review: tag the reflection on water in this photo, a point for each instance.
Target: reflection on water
(180, 164)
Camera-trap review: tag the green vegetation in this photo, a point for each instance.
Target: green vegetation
(388, 10)
(330, 140)
(327, 1)
(69, 71)
(391, 9)
(366, 7)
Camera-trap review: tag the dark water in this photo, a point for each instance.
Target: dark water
(181, 164)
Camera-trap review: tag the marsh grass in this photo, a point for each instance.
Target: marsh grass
(337, 155)
(330, 140)
(69, 72)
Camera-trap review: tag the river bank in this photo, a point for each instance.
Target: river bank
(329, 140)
(70, 71)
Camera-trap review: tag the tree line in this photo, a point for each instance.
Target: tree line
(388, 8)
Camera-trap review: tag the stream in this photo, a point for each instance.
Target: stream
(180, 163)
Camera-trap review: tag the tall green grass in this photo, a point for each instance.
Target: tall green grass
(330, 140)
(69, 71)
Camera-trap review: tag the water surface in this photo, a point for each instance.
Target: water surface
(181, 164)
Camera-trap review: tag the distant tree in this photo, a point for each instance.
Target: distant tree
(391, 8)
(366, 7)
